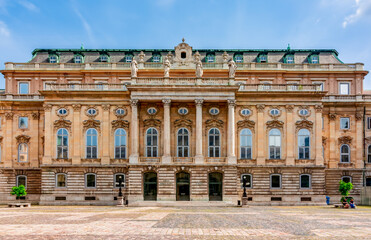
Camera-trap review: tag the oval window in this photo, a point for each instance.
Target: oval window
(62, 111)
(303, 112)
(214, 111)
(182, 111)
(91, 111)
(245, 112)
(151, 110)
(275, 112)
(120, 111)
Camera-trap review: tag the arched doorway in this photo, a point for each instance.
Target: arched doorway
(215, 186)
(150, 186)
(182, 186)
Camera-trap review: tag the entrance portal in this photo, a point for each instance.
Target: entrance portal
(150, 186)
(215, 186)
(182, 186)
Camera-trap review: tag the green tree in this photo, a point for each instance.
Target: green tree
(344, 188)
(19, 191)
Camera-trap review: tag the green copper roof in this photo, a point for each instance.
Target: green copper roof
(79, 50)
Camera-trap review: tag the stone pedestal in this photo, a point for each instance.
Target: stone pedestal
(244, 202)
(121, 202)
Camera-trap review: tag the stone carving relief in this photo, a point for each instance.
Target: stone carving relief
(47, 107)
(119, 170)
(9, 116)
(199, 102)
(304, 124)
(246, 124)
(359, 116)
(141, 56)
(232, 68)
(183, 123)
(345, 140)
(318, 108)
(183, 53)
(260, 107)
(134, 102)
(119, 116)
(305, 171)
(91, 123)
(106, 107)
(289, 108)
(91, 170)
(152, 123)
(22, 139)
(332, 116)
(134, 68)
(76, 107)
(274, 124)
(120, 124)
(275, 171)
(35, 115)
(149, 169)
(211, 123)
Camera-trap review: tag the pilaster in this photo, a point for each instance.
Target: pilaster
(8, 140)
(166, 158)
(318, 136)
(231, 146)
(359, 139)
(290, 133)
(47, 159)
(260, 160)
(106, 135)
(199, 158)
(76, 129)
(332, 142)
(134, 132)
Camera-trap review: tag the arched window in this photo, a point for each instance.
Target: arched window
(183, 143)
(120, 143)
(245, 144)
(22, 180)
(346, 179)
(214, 142)
(151, 142)
(304, 144)
(369, 154)
(62, 143)
(61, 180)
(91, 143)
(274, 144)
(23, 152)
(344, 153)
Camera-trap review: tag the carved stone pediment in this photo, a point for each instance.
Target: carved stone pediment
(91, 123)
(22, 139)
(62, 123)
(120, 124)
(345, 140)
(152, 122)
(183, 123)
(274, 124)
(246, 124)
(304, 124)
(214, 123)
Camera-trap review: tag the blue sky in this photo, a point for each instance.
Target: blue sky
(344, 25)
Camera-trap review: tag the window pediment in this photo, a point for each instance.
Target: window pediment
(91, 123)
(345, 140)
(274, 124)
(62, 123)
(152, 123)
(304, 124)
(183, 123)
(214, 123)
(120, 124)
(246, 124)
(22, 139)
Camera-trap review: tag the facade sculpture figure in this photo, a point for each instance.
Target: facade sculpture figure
(199, 69)
(232, 68)
(167, 66)
(134, 68)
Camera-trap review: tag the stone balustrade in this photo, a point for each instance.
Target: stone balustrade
(280, 87)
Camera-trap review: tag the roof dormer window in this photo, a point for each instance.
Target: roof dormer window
(210, 58)
(289, 59)
(104, 58)
(156, 58)
(53, 58)
(263, 58)
(238, 58)
(314, 59)
(129, 58)
(78, 59)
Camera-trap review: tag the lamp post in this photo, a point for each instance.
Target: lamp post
(244, 182)
(120, 198)
(120, 184)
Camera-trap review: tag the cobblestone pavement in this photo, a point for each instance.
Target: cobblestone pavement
(77, 222)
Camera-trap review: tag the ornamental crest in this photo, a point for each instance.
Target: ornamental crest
(304, 124)
(274, 124)
(214, 123)
(22, 139)
(183, 123)
(120, 124)
(62, 123)
(91, 123)
(152, 123)
(345, 140)
(246, 124)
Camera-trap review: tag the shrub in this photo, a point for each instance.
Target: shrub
(19, 191)
(344, 188)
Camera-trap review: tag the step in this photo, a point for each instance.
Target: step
(181, 204)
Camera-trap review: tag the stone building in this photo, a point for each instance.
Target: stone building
(184, 124)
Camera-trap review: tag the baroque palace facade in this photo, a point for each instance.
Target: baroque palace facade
(184, 125)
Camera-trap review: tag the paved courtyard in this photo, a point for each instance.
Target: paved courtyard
(103, 222)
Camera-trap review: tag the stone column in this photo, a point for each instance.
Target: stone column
(231, 142)
(199, 158)
(106, 135)
(290, 134)
(134, 132)
(260, 160)
(78, 141)
(8, 140)
(166, 158)
(332, 143)
(47, 159)
(359, 139)
(318, 136)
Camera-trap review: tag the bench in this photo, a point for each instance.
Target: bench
(20, 205)
(340, 205)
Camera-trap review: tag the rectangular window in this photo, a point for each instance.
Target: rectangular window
(290, 59)
(23, 88)
(275, 181)
(305, 181)
(61, 180)
(22, 180)
(315, 59)
(344, 89)
(319, 86)
(369, 123)
(90, 181)
(23, 122)
(344, 123)
(323, 122)
(368, 182)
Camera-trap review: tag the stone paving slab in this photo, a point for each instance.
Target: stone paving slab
(78, 222)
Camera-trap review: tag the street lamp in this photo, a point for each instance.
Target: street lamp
(120, 184)
(244, 183)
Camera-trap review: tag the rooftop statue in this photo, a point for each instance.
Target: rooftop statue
(134, 68)
(199, 69)
(167, 66)
(232, 68)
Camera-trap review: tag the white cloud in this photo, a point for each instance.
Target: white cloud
(84, 23)
(4, 31)
(28, 5)
(363, 8)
